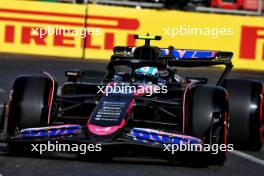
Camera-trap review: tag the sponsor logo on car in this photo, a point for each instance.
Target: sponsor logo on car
(146, 135)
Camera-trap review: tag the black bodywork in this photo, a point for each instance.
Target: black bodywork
(189, 107)
(78, 97)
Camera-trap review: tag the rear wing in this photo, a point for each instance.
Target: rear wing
(193, 58)
(180, 57)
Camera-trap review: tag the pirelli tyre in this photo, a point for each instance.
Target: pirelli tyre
(246, 113)
(206, 118)
(29, 106)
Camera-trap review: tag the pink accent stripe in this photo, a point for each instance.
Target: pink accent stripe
(184, 102)
(52, 94)
(103, 131)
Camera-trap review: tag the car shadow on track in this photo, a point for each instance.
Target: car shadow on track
(116, 161)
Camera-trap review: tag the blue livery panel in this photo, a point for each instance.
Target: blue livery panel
(189, 54)
(151, 136)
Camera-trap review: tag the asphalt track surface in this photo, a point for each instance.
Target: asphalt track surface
(246, 163)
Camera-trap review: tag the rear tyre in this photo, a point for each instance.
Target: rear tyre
(246, 113)
(207, 119)
(29, 105)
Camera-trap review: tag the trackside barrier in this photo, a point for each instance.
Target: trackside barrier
(17, 18)
(242, 35)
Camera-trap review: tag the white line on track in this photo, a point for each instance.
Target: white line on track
(248, 157)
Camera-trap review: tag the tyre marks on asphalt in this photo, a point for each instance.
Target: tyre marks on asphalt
(248, 157)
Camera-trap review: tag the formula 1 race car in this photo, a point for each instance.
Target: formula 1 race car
(142, 107)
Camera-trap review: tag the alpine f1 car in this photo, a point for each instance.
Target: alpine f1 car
(142, 106)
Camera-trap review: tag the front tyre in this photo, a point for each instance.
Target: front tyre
(29, 105)
(207, 118)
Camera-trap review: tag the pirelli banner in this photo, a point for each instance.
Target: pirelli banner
(90, 32)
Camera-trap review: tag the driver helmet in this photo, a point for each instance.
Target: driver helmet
(146, 74)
